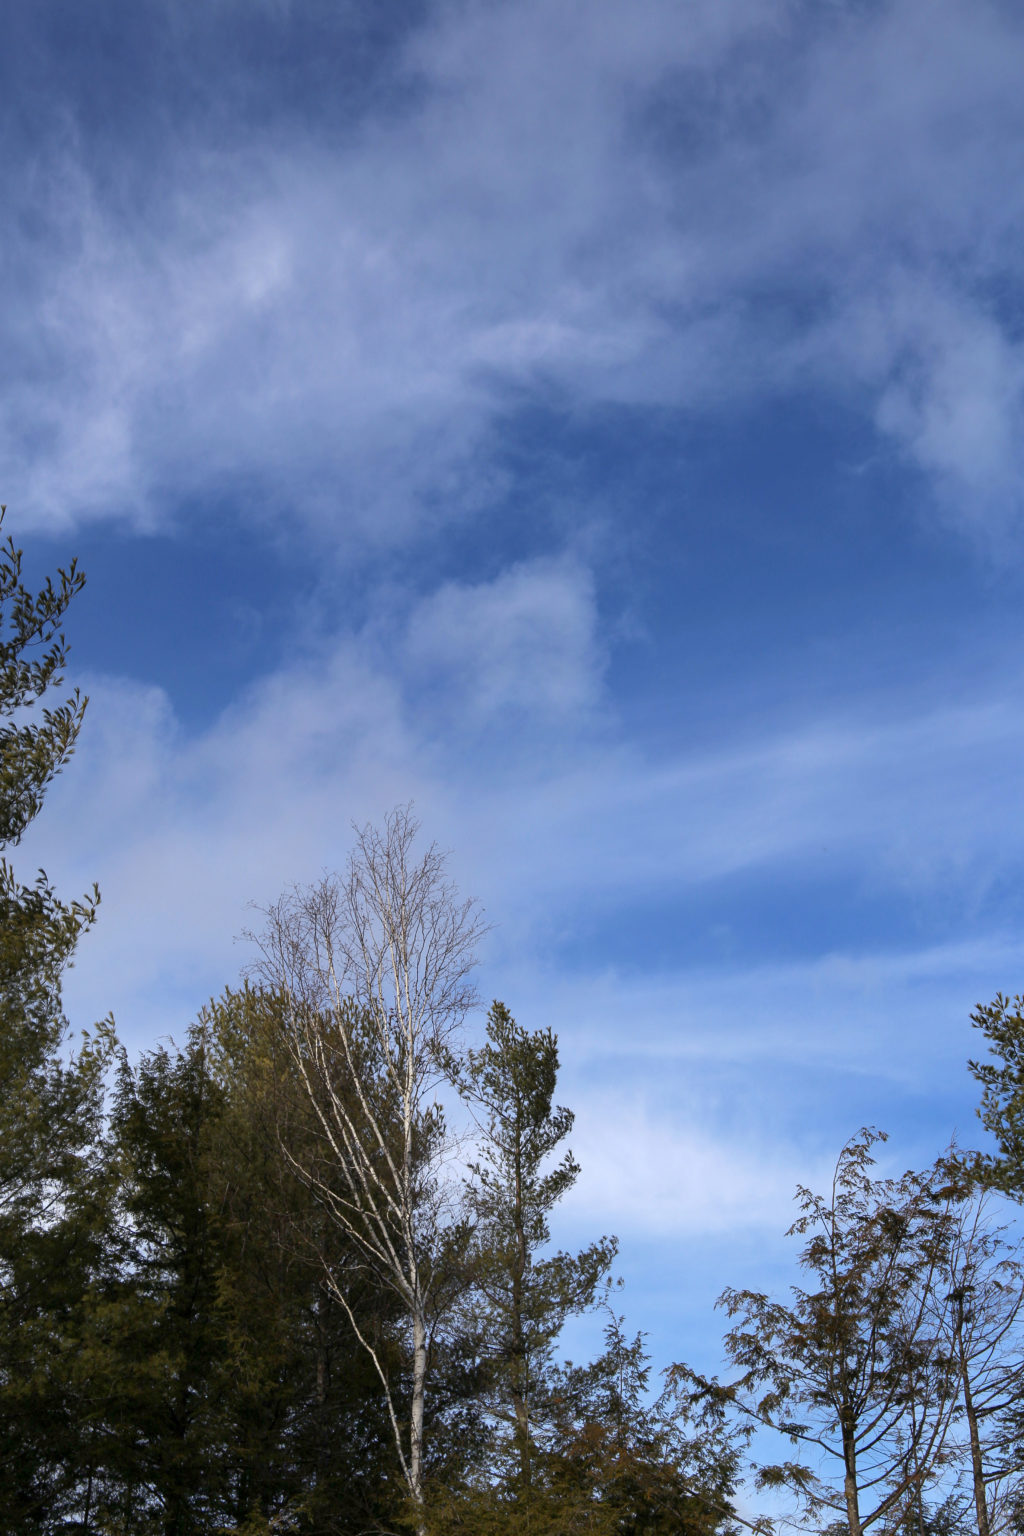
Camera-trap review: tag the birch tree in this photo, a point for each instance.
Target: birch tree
(374, 971)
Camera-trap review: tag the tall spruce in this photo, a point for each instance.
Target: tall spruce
(523, 1295)
(169, 1371)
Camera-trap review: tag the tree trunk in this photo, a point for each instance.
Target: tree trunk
(850, 1488)
(971, 1414)
(520, 1369)
(419, 1385)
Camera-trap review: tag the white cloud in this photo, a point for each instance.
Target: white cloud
(522, 645)
(854, 794)
(947, 381)
(643, 1173)
(898, 1016)
(643, 205)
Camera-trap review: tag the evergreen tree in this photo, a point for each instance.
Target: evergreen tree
(234, 1396)
(518, 1296)
(50, 1103)
(309, 1423)
(1001, 1022)
(620, 1464)
(167, 1372)
(523, 1297)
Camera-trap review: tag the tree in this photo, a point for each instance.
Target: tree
(610, 1462)
(374, 971)
(522, 1300)
(622, 1465)
(570, 1448)
(225, 1393)
(166, 1375)
(853, 1370)
(50, 1104)
(1002, 1101)
(1001, 1111)
(309, 1432)
(40, 1098)
(979, 1309)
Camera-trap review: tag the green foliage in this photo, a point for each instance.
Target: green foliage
(230, 1395)
(1002, 1100)
(51, 1183)
(167, 1369)
(568, 1448)
(611, 1462)
(309, 1421)
(522, 1298)
(47, 1107)
(33, 654)
(633, 1466)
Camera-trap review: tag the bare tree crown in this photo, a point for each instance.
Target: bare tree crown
(392, 936)
(407, 944)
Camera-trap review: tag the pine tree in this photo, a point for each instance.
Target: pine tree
(50, 1102)
(310, 1433)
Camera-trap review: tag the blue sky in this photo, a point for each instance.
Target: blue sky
(600, 424)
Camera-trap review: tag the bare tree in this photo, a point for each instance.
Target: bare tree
(374, 972)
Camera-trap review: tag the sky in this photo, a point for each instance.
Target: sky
(601, 426)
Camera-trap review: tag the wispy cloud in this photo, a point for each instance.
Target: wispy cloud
(523, 647)
(660, 205)
(556, 823)
(644, 1173)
